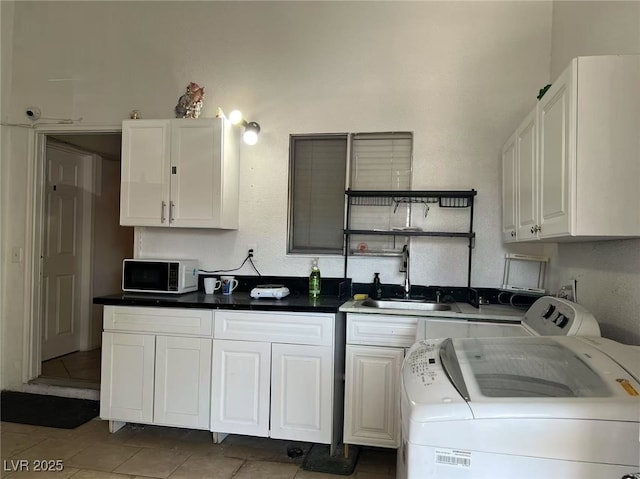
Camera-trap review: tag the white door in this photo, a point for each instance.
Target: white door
(509, 190)
(63, 249)
(126, 392)
(182, 382)
(556, 150)
(527, 192)
(301, 392)
(372, 396)
(240, 387)
(196, 173)
(145, 168)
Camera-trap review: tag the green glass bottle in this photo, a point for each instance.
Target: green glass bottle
(314, 279)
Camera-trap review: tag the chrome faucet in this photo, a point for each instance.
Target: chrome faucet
(404, 268)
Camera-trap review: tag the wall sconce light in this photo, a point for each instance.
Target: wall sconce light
(251, 128)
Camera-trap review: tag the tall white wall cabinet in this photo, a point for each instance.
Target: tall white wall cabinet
(571, 171)
(180, 173)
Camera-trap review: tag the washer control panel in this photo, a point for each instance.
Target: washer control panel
(423, 361)
(550, 316)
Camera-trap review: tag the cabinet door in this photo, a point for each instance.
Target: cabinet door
(301, 392)
(372, 396)
(144, 193)
(126, 385)
(509, 190)
(196, 173)
(557, 144)
(182, 382)
(240, 387)
(527, 194)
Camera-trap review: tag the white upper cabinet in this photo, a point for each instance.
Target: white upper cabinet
(577, 156)
(509, 190)
(180, 173)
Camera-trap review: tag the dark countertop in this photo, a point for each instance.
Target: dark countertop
(236, 301)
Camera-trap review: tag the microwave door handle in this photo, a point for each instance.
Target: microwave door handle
(162, 211)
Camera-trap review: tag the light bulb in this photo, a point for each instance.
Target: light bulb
(250, 137)
(251, 131)
(235, 117)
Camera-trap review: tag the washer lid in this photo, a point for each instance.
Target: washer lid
(560, 377)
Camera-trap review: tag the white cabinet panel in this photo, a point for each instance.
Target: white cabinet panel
(240, 387)
(145, 168)
(509, 170)
(182, 382)
(299, 328)
(159, 320)
(372, 396)
(578, 178)
(381, 330)
(156, 379)
(527, 195)
(301, 392)
(557, 143)
(126, 392)
(180, 173)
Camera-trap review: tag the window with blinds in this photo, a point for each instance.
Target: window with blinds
(317, 179)
(380, 161)
(318, 165)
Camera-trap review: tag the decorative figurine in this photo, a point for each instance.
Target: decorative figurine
(190, 104)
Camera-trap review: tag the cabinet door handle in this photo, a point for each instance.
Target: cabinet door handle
(162, 211)
(536, 228)
(513, 234)
(172, 207)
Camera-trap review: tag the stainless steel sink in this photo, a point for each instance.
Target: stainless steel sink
(415, 304)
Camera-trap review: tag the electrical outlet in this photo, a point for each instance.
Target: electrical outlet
(251, 251)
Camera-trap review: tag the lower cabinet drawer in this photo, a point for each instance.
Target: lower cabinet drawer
(196, 322)
(381, 330)
(281, 327)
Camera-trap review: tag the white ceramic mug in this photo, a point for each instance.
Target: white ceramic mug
(211, 285)
(229, 283)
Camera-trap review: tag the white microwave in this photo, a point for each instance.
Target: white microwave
(175, 276)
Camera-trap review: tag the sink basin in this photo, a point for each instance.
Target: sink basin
(415, 304)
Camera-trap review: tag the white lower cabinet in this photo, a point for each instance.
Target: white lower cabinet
(372, 396)
(301, 392)
(240, 399)
(153, 370)
(126, 386)
(182, 382)
(265, 374)
(274, 375)
(374, 353)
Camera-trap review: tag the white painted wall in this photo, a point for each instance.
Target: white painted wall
(607, 272)
(111, 242)
(460, 75)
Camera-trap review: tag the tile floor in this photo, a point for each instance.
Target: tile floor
(81, 366)
(139, 452)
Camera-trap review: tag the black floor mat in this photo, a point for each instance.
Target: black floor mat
(318, 459)
(51, 411)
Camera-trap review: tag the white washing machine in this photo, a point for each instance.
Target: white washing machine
(532, 407)
(547, 316)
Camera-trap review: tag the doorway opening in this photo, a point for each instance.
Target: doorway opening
(80, 247)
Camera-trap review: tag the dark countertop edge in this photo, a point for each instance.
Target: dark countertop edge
(242, 302)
